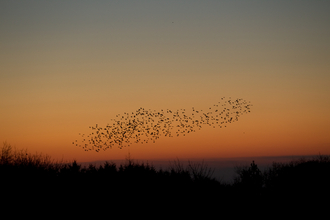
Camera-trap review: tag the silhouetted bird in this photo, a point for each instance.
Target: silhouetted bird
(144, 125)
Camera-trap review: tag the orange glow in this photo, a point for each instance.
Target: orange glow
(61, 74)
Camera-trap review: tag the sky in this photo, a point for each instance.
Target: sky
(69, 65)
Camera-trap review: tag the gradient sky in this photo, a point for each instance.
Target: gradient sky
(68, 65)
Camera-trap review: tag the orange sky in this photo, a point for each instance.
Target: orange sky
(65, 66)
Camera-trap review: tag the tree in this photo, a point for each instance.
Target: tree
(250, 179)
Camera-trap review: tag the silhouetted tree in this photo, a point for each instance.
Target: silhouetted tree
(249, 180)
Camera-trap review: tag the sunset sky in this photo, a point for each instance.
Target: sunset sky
(68, 65)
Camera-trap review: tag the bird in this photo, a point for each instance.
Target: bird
(146, 125)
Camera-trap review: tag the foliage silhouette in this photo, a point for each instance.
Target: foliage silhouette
(26, 175)
(250, 179)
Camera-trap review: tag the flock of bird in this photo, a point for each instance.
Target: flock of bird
(143, 126)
